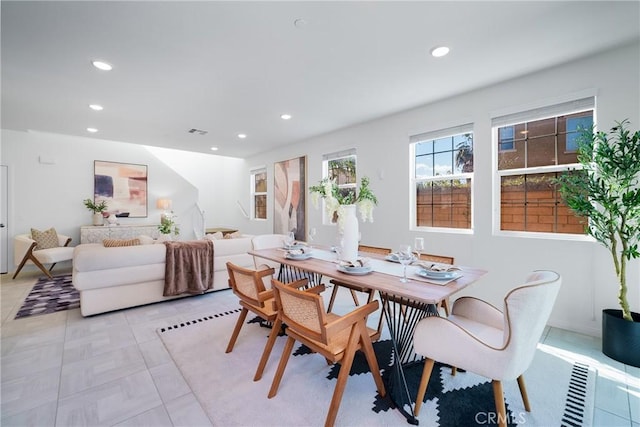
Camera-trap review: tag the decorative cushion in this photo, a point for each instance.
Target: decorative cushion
(114, 243)
(213, 236)
(146, 240)
(234, 235)
(45, 239)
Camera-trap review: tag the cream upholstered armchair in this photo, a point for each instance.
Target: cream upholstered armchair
(267, 241)
(481, 339)
(46, 247)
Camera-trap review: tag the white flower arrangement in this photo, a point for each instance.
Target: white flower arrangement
(334, 200)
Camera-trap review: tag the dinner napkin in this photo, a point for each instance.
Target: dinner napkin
(360, 262)
(436, 267)
(299, 251)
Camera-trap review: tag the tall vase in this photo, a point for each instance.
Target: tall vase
(349, 233)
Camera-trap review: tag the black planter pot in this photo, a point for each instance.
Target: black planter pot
(621, 338)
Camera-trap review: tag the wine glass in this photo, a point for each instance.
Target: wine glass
(405, 257)
(312, 236)
(289, 239)
(418, 245)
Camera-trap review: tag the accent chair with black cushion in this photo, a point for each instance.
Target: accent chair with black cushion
(39, 248)
(479, 338)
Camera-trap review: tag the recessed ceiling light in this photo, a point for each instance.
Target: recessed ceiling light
(242, 135)
(300, 22)
(96, 107)
(285, 116)
(92, 130)
(101, 65)
(214, 148)
(439, 51)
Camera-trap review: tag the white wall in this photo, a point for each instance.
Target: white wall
(589, 283)
(44, 195)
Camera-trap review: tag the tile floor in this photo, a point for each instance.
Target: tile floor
(62, 369)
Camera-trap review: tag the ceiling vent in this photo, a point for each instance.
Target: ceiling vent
(198, 131)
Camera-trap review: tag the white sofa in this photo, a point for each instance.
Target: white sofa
(115, 278)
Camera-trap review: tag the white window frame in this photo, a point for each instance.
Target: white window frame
(326, 158)
(413, 181)
(254, 193)
(570, 106)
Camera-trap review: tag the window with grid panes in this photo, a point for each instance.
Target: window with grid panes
(443, 172)
(259, 194)
(544, 146)
(341, 167)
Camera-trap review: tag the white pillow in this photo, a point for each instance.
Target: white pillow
(214, 236)
(146, 240)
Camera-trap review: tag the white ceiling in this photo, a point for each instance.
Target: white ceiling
(235, 67)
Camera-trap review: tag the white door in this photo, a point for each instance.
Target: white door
(4, 211)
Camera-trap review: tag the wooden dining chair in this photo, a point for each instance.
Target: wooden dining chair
(440, 259)
(337, 338)
(248, 286)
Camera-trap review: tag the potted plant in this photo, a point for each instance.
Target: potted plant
(343, 204)
(168, 226)
(607, 192)
(97, 210)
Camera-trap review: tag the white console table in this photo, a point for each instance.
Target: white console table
(97, 233)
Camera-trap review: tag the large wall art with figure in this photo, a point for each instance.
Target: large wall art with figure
(123, 186)
(289, 197)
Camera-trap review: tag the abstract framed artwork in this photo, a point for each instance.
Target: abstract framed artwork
(123, 186)
(289, 197)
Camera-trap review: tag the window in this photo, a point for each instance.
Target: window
(505, 138)
(341, 167)
(442, 174)
(259, 194)
(544, 144)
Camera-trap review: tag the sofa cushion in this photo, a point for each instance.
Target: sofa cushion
(116, 243)
(90, 257)
(214, 236)
(146, 240)
(45, 239)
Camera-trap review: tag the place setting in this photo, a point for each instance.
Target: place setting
(427, 271)
(359, 267)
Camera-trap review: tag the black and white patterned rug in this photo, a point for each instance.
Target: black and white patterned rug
(49, 296)
(560, 388)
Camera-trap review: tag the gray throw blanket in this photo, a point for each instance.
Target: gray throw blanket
(188, 267)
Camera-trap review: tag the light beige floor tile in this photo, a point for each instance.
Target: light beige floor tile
(101, 369)
(44, 415)
(31, 361)
(104, 341)
(110, 403)
(612, 397)
(186, 411)
(169, 381)
(29, 392)
(28, 340)
(606, 419)
(79, 326)
(156, 417)
(154, 353)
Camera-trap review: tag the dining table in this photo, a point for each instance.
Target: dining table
(403, 304)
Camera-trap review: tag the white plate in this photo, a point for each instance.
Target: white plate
(439, 275)
(355, 270)
(394, 258)
(298, 257)
(294, 246)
